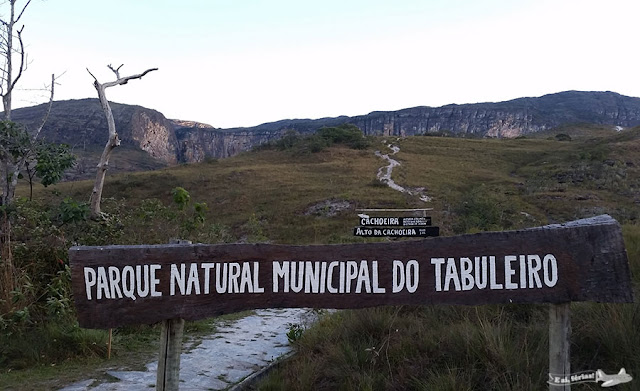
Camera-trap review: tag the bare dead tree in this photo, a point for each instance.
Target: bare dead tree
(113, 141)
(7, 49)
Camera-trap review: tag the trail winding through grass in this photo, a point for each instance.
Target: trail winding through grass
(384, 175)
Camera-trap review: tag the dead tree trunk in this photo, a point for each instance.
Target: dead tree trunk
(114, 140)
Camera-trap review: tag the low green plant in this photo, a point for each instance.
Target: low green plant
(294, 333)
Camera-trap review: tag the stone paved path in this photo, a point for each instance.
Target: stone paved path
(235, 351)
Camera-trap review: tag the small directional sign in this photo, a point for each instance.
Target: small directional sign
(395, 221)
(416, 232)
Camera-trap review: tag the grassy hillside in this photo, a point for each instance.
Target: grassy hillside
(284, 196)
(535, 180)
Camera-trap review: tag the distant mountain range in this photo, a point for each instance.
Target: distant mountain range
(81, 123)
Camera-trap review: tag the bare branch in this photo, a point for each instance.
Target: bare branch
(21, 67)
(94, 78)
(125, 80)
(46, 115)
(22, 12)
(116, 70)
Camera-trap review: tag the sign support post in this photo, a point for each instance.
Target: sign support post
(168, 377)
(168, 374)
(559, 343)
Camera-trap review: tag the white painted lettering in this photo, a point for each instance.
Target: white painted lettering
(234, 274)
(256, 284)
(194, 281)
(155, 281)
(466, 276)
(352, 273)
(413, 270)
(103, 284)
(374, 274)
(481, 272)
(179, 277)
(207, 266)
(492, 274)
(534, 270)
(142, 276)
(297, 287)
(330, 286)
(438, 262)
(114, 281)
(509, 272)
(280, 270)
(451, 275)
(311, 277)
(89, 280)
(363, 278)
(398, 276)
(221, 278)
(245, 279)
(128, 282)
(550, 270)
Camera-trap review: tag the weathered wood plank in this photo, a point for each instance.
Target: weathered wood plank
(168, 375)
(583, 260)
(560, 344)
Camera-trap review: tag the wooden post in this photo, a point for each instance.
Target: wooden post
(559, 343)
(109, 340)
(168, 375)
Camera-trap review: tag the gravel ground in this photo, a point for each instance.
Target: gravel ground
(236, 350)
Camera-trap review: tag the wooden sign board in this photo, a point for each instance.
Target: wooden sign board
(583, 260)
(396, 232)
(395, 221)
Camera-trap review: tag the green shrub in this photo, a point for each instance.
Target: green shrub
(346, 134)
(481, 209)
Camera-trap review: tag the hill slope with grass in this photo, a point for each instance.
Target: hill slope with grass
(287, 193)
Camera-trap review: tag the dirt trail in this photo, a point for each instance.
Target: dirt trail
(384, 175)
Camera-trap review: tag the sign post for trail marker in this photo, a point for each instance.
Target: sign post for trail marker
(560, 342)
(168, 373)
(584, 260)
(396, 227)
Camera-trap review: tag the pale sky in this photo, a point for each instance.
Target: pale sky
(233, 63)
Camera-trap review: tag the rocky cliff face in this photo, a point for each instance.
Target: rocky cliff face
(81, 123)
(196, 144)
(507, 119)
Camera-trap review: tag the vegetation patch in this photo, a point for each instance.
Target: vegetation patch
(477, 185)
(328, 208)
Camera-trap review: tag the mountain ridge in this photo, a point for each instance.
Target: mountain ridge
(81, 123)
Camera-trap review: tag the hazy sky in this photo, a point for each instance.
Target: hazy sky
(244, 62)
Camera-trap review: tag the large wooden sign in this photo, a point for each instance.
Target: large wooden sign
(583, 260)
